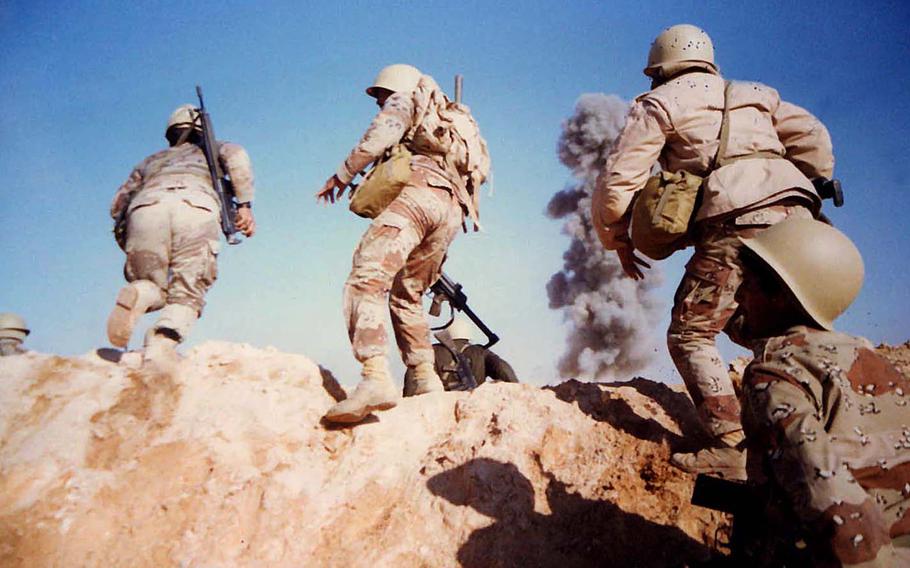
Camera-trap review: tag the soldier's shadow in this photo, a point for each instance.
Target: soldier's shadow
(578, 532)
(603, 406)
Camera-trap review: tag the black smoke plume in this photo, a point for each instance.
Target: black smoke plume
(612, 317)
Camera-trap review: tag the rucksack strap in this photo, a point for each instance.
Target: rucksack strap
(724, 136)
(720, 158)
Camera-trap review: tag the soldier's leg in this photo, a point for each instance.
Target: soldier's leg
(194, 246)
(382, 252)
(195, 242)
(702, 306)
(146, 269)
(422, 268)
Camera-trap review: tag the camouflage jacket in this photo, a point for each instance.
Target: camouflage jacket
(184, 168)
(827, 420)
(678, 125)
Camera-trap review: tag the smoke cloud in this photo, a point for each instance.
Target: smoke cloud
(612, 317)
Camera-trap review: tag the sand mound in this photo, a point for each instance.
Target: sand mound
(228, 464)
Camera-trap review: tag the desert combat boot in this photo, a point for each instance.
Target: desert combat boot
(426, 379)
(376, 391)
(725, 459)
(133, 301)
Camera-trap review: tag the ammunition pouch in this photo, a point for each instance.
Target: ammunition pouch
(382, 183)
(662, 212)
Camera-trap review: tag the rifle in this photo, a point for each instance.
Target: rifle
(764, 531)
(220, 182)
(446, 289)
(458, 83)
(462, 365)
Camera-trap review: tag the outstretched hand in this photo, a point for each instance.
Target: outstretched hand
(327, 193)
(630, 262)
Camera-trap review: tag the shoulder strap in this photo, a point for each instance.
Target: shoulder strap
(719, 160)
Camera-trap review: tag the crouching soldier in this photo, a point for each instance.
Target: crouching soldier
(484, 364)
(401, 253)
(168, 224)
(826, 418)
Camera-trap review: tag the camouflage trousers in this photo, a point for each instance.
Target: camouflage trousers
(702, 306)
(173, 244)
(399, 258)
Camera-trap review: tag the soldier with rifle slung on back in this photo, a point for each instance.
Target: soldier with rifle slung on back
(167, 222)
(429, 162)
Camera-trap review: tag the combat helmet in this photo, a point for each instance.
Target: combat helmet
(460, 328)
(820, 265)
(680, 47)
(183, 116)
(398, 78)
(12, 326)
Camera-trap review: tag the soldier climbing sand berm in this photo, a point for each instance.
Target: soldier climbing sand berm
(757, 175)
(826, 418)
(456, 340)
(13, 331)
(402, 252)
(171, 212)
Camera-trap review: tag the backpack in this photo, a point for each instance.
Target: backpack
(446, 128)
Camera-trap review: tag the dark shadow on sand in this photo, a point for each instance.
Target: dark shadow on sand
(578, 532)
(607, 407)
(331, 385)
(109, 354)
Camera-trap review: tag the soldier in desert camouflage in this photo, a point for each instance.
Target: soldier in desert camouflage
(13, 331)
(774, 149)
(484, 363)
(401, 253)
(826, 418)
(172, 235)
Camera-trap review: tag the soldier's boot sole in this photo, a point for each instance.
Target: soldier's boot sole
(127, 311)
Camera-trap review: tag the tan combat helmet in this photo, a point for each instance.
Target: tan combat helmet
(398, 78)
(13, 326)
(677, 48)
(460, 328)
(184, 115)
(819, 264)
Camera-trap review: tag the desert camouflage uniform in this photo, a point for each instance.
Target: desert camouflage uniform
(173, 229)
(677, 124)
(401, 254)
(828, 423)
(484, 364)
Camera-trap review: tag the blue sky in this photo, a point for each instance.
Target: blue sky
(86, 89)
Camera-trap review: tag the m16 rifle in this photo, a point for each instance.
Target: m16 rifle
(220, 182)
(446, 289)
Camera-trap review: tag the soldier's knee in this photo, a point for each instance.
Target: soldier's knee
(145, 265)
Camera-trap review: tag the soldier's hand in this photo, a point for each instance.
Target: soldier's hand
(630, 260)
(327, 193)
(245, 221)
